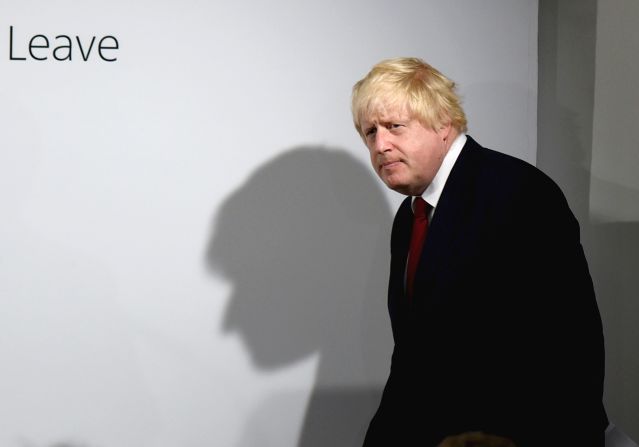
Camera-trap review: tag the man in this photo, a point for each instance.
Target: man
(493, 313)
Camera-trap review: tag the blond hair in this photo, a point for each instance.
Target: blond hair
(412, 85)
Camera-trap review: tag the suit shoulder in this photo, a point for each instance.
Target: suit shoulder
(495, 162)
(507, 173)
(508, 186)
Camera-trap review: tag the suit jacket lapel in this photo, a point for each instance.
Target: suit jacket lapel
(451, 216)
(400, 240)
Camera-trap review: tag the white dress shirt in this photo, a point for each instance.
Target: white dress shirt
(433, 192)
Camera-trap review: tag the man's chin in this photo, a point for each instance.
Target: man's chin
(400, 188)
(395, 185)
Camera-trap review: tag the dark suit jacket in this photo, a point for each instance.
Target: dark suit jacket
(503, 334)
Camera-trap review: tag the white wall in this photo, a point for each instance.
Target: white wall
(587, 109)
(615, 161)
(193, 251)
(614, 203)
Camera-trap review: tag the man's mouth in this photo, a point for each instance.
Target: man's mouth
(389, 164)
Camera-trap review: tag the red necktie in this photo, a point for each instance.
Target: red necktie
(420, 225)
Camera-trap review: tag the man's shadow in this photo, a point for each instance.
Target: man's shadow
(305, 244)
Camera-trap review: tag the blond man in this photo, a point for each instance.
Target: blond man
(496, 327)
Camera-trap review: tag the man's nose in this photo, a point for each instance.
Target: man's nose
(382, 142)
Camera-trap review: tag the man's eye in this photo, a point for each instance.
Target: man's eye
(395, 125)
(370, 132)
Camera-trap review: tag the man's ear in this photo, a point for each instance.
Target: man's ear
(444, 130)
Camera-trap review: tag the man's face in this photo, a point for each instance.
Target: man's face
(405, 154)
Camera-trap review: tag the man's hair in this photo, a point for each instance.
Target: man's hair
(412, 85)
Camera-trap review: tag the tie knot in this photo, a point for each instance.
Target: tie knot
(420, 207)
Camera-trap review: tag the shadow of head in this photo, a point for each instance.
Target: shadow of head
(303, 242)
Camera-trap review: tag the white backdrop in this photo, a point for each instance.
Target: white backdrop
(614, 204)
(193, 251)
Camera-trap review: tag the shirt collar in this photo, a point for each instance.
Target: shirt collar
(434, 190)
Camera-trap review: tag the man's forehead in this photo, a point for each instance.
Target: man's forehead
(381, 112)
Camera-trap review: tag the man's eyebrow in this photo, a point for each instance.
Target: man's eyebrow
(390, 120)
(366, 130)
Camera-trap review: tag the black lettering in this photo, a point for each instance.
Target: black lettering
(11, 47)
(85, 56)
(102, 47)
(62, 48)
(67, 47)
(32, 46)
